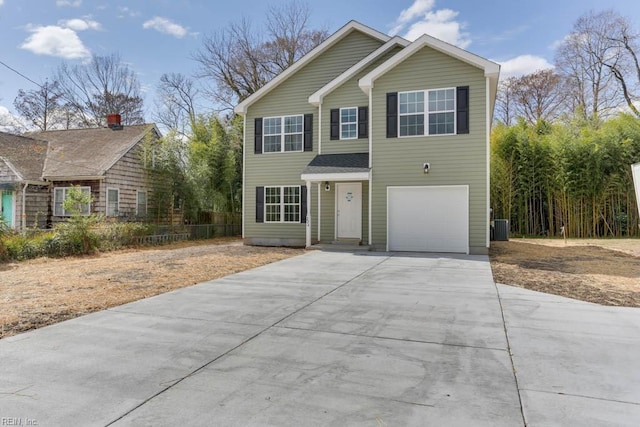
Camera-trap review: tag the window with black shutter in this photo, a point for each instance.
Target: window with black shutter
(392, 115)
(363, 122)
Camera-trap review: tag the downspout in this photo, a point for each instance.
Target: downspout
(244, 168)
(370, 160)
(488, 154)
(319, 152)
(320, 128)
(24, 206)
(308, 220)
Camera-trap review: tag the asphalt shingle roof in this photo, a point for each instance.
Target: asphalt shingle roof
(25, 155)
(338, 163)
(87, 152)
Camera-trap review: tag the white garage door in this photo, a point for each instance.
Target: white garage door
(428, 219)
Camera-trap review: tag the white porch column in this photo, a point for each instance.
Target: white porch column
(308, 229)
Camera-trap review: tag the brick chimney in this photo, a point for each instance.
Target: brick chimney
(114, 121)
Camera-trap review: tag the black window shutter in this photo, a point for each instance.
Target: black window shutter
(462, 109)
(335, 124)
(363, 122)
(257, 142)
(308, 132)
(303, 204)
(259, 204)
(392, 115)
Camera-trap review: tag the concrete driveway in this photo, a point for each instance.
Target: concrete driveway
(371, 339)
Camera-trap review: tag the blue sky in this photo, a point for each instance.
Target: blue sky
(160, 36)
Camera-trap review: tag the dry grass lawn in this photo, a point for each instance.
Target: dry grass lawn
(602, 271)
(43, 291)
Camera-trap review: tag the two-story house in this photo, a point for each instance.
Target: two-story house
(372, 139)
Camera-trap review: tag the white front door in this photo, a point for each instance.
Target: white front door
(349, 210)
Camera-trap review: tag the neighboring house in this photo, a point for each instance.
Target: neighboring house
(21, 185)
(106, 162)
(372, 139)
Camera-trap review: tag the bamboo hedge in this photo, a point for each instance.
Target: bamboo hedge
(575, 175)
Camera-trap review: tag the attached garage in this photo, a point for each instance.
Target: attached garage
(428, 219)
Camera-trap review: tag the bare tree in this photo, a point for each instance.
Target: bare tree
(585, 58)
(105, 85)
(40, 107)
(539, 96)
(627, 70)
(505, 101)
(176, 104)
(238, 61)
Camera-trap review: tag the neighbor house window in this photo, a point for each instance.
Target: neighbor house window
(282, 204)
(283, 134)
(60, 194)
(141, 203)
(113, 201)
(436, 116)
(349, 123)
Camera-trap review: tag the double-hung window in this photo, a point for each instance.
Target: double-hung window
(141, 203)
(349, 123)
(60, 194)
(282, 134)
(282, 204)
(113, 201)
(430, 112)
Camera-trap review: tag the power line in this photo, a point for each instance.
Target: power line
(21, 75)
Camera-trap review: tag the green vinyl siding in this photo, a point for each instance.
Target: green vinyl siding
(348, 94)
(291, 97)
(454, 159)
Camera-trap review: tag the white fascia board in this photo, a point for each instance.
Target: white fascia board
(242, 107)
(491, 69)
(316, 98)
(344, 176)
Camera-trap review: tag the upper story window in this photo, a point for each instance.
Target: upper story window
(437, 116)
(428, 112)
(349, 123)
(283, 134)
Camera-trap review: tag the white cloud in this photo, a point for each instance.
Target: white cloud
(125, 11)
(69, 3)
(1, 2)
(80, 24)
(165, 26)
(53, 40)
(417, 9)
(442, 25)
(521, 65)
(422, 18)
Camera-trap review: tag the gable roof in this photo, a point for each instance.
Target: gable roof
(88, 153)
(24, 156)
(491, 69)
(347, 29)
(316, 98)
